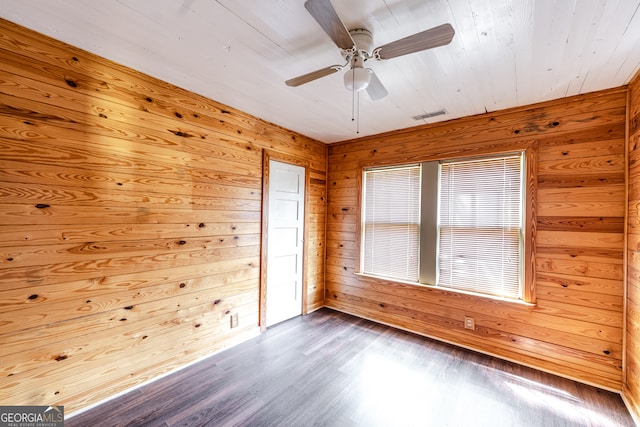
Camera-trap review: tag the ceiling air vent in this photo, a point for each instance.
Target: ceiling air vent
(429, 115)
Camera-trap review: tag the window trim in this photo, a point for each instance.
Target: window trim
(530, 149)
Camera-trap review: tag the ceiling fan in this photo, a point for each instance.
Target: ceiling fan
(356, 48)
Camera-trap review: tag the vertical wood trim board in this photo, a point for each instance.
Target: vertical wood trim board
(130, 223)
(631, 390)
(575, 327)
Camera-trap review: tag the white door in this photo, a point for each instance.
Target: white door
(285, 241)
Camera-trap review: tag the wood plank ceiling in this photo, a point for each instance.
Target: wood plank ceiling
(239, 52)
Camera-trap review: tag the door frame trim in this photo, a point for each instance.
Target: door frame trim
(268, 155)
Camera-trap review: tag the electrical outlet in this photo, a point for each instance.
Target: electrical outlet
(234, 320)
(469, 323)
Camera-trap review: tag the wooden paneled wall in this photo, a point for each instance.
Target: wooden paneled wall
(575, 329)
(631, 391)
(130, 221)
(130, 215)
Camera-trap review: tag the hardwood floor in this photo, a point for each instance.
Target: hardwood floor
(332, 369)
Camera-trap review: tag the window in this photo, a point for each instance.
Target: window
(454, 224)
(391, 230)
(480, 226)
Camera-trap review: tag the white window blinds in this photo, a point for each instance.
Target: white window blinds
(480, 225)
(391, 222)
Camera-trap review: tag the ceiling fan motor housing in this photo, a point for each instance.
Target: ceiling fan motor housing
(363, 40)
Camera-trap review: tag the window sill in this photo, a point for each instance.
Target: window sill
(447, 290)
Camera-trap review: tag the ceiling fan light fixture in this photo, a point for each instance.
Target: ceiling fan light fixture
(357, 79)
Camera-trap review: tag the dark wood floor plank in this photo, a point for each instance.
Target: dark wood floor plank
(332, 369)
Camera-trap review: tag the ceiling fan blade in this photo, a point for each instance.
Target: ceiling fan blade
(376, 89)
(323, 12)
(314, 75)
(434, 37)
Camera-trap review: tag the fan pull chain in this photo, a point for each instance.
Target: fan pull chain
(358, 113)
(355, 103)
(353, 96)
